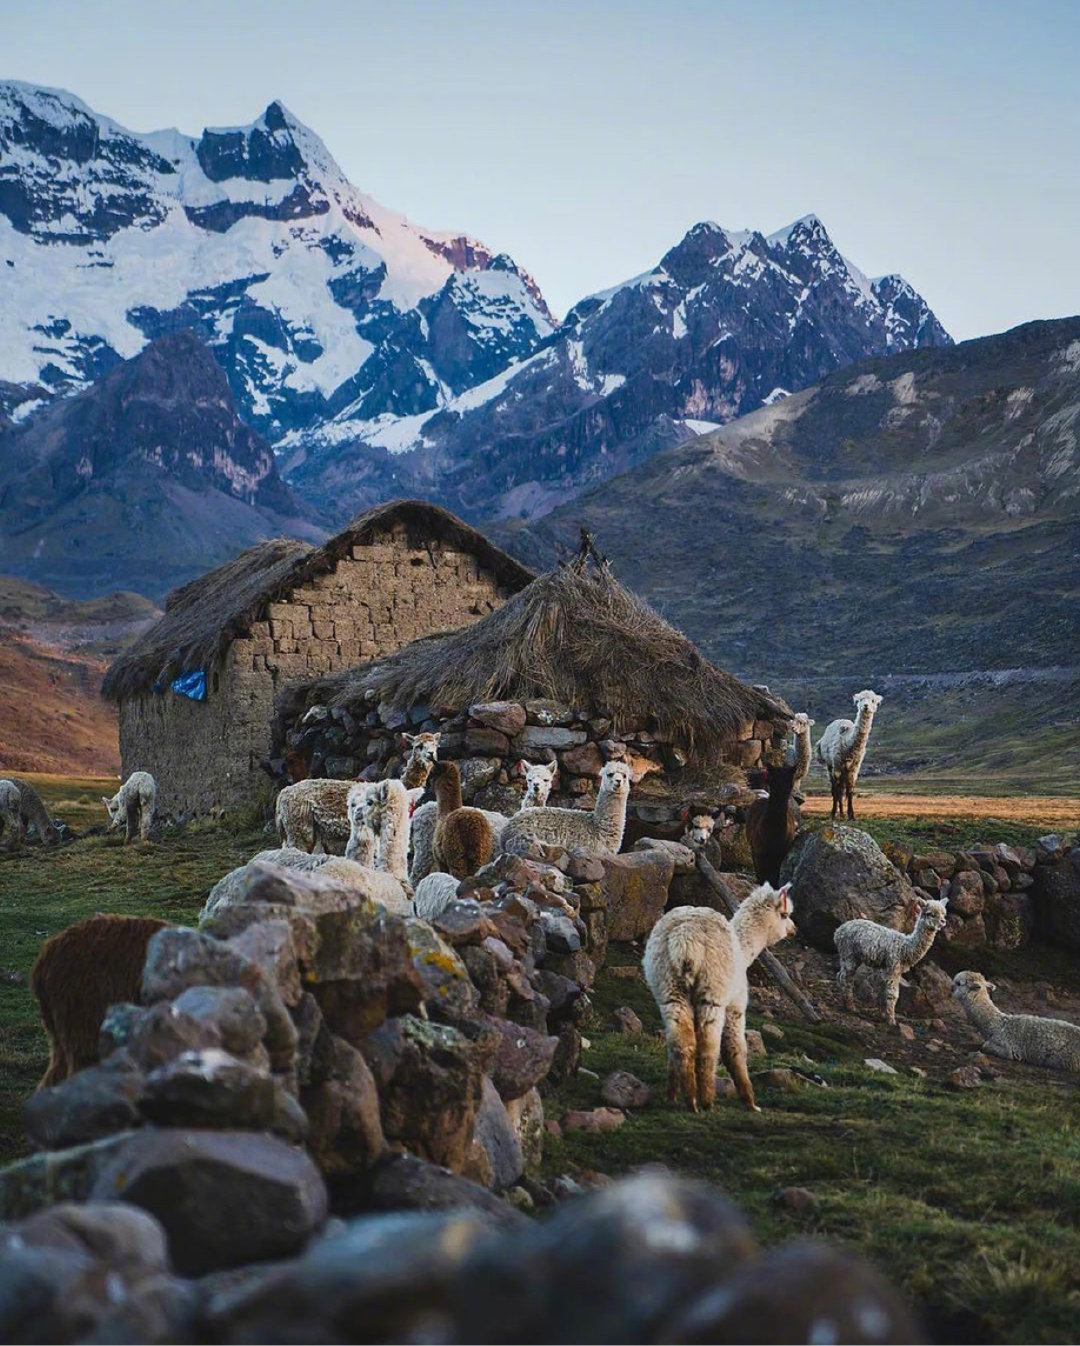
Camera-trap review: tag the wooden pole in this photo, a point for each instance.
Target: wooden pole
(768, 961)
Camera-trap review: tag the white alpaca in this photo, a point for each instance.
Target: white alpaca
(11, 823)
(842, 747)
(600, 830)
(434, 893)
(361, 844)
(423, 754)
(133, 805)
(802, 724)
(385, 812)
(1017, 1037)
(699, 830)
(866, 944)
(695, 964)
(538, 783)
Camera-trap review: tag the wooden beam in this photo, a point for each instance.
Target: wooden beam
(768, 961)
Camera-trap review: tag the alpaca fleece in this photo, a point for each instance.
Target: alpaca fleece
(1017, 1037)
(600, 830)
(772, 825)
(842, 747)
(77, 975)
(463, 840)
(313, 814)
(21, 807)
(802, 724)
(867, 944)
(134, 804)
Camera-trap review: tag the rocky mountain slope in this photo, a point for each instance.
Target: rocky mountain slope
(313, 296)
(143, 480)
(727, 322)
(913, 514)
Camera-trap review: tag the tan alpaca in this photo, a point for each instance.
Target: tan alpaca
(463, 840)
(312, 815)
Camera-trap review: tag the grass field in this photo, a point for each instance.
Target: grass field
(969, 1201)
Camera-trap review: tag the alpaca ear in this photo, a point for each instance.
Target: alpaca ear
(408, 739)
(785, 901)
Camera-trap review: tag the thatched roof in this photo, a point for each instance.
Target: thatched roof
(204, 616)
(575, 636)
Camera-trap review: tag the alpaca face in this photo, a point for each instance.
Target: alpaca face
(802, 722)
(868, 700)
(423, 748)
(615, 779)
(931, 913)
(779, 913)
(115, 812)
(970, 983)
(699, 830)
(355, 803)
(539, 780)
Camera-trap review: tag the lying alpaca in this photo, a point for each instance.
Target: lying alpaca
(1017, 1037)
(78, 974)
(600, 830)
(538, 783)
(312, 815)
(842, 747)
(22, 808)
(134, 805)
(867, 944)
(463, 839)
(423, 754)
(802, 724)
(695, 964)
(699, 830)
(772, 825)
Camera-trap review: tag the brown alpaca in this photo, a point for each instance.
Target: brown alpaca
(772, 824)
(78, 974)
(463, 840)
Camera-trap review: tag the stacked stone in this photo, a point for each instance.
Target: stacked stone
(491, 738)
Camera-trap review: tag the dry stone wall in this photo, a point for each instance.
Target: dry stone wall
(207, 755)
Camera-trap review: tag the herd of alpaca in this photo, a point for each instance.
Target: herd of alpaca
(378, 839)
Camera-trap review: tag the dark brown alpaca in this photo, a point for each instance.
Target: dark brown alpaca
(78, 974)
(463, 840)
(772, 824)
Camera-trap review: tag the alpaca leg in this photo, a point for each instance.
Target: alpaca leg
(679, 1026)
(849, 790)
(847, 982)
(131, 830)
(144, 822)
(836, 788)
(733, 1051)
(891, 996)
(708, 1032)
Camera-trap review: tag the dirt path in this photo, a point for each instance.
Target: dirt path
(1040, 810)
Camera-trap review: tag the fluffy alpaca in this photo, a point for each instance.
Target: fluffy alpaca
(423, 754)
(772, 825)
(134, 804)
(463, 840)
(78, 974)
(600, 830)
(802, 724)
(312, 815)
(385, 813)
(11, 823)
(434, 893)
(842, 747)
(1017, 1037)
(866, 944)
(695, 965)
(538, 784)
(699, 830)
(21, 808)
(361, 844)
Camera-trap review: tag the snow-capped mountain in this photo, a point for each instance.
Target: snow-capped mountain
(313, 297)
(727, 322)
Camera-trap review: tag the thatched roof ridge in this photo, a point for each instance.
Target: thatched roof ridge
(575, 636)
(205, 615)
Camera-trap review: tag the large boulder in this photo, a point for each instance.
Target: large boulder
(56, 1175)
(636, 886)
(1056, 896)
(839, 874)
(93, 1103)
(495, 1135)
(343, 1112)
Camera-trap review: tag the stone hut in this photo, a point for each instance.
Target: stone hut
(574, 669)
(196, 691)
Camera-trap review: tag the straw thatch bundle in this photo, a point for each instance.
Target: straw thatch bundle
(575, 636)
(204, 616)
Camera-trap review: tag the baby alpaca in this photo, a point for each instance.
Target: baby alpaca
(134, 805)
(78, 974)
(842, 747)
(463, 839)
(695, 964)
(772, 824)
(1017, 1037)
(699, 830)
(867, 944)
(423, 754)
(802, 724)
(600, 830)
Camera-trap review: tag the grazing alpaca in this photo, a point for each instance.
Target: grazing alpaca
(1017, 1037)
(11, 823)
(21, 808)
(600, 830)
(423, 754)
(312, 815)
(695, 964)
(134, 805)
(538, 783)
(842, 747)
(78, 974)
(867, 944)
(699, 830)
(802, 724)
(463, 839)
(772, 825)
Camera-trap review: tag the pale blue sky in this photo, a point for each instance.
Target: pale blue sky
(941, 140)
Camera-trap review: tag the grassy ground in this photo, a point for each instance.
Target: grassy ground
(970, 1201)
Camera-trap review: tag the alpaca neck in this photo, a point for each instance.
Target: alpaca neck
(416, 773)
(918, 942)
(857, 750)
(361, 847)
(802, 752)
(448, 794)
(393, 849)
(610, 818)
(981, 1011)
(750, 932)
(777, 804)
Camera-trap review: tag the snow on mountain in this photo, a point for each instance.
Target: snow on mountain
(313, 296)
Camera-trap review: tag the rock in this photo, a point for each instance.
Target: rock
(929, 880)
(734, 847)
(522, 1059)
(771, 1030)
(231, 1010)
(213, 1089)
(548, 712)
(269, 945)
(163, 1032)
(407, 1182)
(1049, 849)
(964, 933)
(54, 1176)
(636, 886)
(508, 717)
(585, 760)
(797, 1199)
(536, 736)
(1055, 894)
(683, 858)
(840, 874)
(345, 1129)
(755, 1043)
(966, 893)
(91, 1104)
(1009, 920)
(223, 1197)
(429, 1078)
(596, 1120)
(799, 1292)
(527, 1118)
(483, 742)
(627, 1021)
(622, 1090)
(964, 1077)
(495, 1133)
(882, 1067)
(444, 978)
(464, 922)
(928, 993)
(906, 1032)
(560, 933)
(585, 866)
(122, 1237)
(117, 1028)
(777, 1078)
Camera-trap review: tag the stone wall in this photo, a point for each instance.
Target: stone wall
(207, 755)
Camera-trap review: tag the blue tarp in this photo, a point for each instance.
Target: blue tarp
(192, 685)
